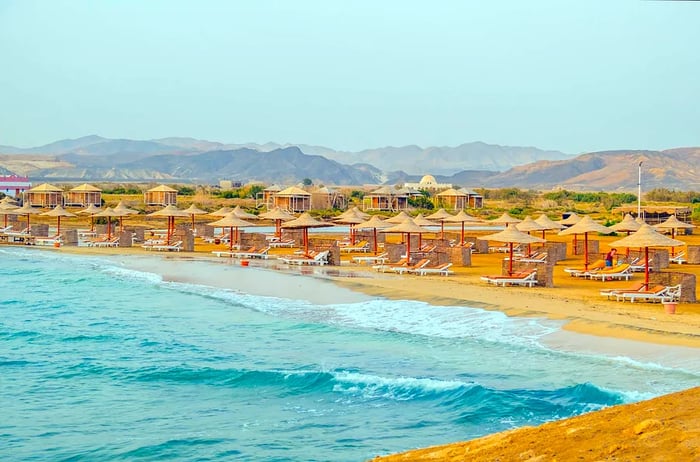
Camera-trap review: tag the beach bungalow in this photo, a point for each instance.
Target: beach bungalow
(655, 214)
(292, 199)
(14, 185)
(83, 196)
(451, 199)
(385, 198)
(160, 195)
(265, 197)
(474, 199)
(44, 195)
(327, 198)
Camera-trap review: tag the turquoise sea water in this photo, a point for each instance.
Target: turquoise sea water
(102, 362)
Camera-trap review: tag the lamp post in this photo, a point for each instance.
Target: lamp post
(639, 192)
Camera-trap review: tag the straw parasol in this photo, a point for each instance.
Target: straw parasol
(408, 227)
(304, 222)
(5, 209)
(193, 210)
(374, 223)
(171, 212)
(646, 237)
(355, 211)
(221, 212)
(109, 213)
(441, 215)
(350, 218)
(673, 224)
(548, 223)
(58, 212)
(278, 216)
(398, 218)
(123, 211)
(231, 221)
(505, 219)
(511, 235)
(91, 210)
(8, 200)
(584, 226)
(27, 210)
(628, 224)
(420, 220)
(462, 217)
(572, 219)
(528, 225)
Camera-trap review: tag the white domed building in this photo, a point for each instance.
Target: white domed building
(429, 183)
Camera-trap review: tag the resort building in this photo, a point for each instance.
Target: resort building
(655, 214)
(292, 199)
(451, 199)
(160, 195)
(386, 198)
(327, 198)
(265, 197)
(14, 185)
(474, 199)
(428, 183)
(83, 196)
(44, 195)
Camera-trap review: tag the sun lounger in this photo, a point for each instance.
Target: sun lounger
(659, 293)
(613, 293)
(175, 246)
(442, 269)
(679, 258)
(623, 271)
(283, 243)
(410, 268)
(317, 258)
(525, 278)
(112, 242)
(362, 246)
(371, 259)
(582, 272)
(384, 267)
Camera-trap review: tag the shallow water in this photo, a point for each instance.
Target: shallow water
(99, 361)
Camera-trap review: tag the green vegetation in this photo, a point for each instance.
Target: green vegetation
(186, 190)
(607, 200)
(668, 195)
(122, 190)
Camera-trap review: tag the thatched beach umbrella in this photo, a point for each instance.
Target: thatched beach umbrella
(571, 220)
(123, 211)
(231, 221)
(548, 224)
(505, 220)
(355, 211)
(462, 217)
(528, 225)
(27, 210)
(441, 215)
(398, 218)
(278, 216)
(8, 200)
(351, 219)
(6, 209)
(511, 236)
(223, 211)
(171, 212)
(646, 237)
(91, 210)
(109, 213)
(584, 226)
(193, 210)
(628, 225)
(408, 227)
(374, 223)
(58, 212)
(304, 222)
(673, 224)
(420, 220)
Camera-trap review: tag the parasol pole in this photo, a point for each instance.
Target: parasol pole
(461, 239)
(375, 241)
(646, 264)
(408, 249)
(230, 238)
(510, 262)
(585, 250)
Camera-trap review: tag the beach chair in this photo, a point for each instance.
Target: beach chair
(283, 243)
(384, 267)
(174, 247)
(657, 293)
(679, 258)
(535, 257)
(582, 272)
(442, 269)
(373, 259)
(613, 293)
(316, 259)
(523, 278)
(362, 246)
(623, 271)
(410, 268)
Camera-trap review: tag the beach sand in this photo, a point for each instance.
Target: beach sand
(660, 429)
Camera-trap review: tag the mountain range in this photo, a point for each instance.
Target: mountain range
(94, 158)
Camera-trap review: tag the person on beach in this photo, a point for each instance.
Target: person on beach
(609, 257)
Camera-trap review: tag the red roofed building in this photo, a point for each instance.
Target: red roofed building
(13, 185)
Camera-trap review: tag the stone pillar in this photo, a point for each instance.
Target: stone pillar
(184, 234)
(545, 271)
(394, 251)
(480, 245)
(686, 280)
(39, 230)
(126, 239)
(693, 254)
(70, 237)
(458, 256)
(556, 251)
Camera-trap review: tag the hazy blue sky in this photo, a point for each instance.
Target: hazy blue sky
(571, 76)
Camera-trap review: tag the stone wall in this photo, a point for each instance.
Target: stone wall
(686, 280)
(556, 251)
(545, 271)
(693, 254)
(39, 230)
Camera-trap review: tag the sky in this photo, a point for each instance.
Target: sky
(569, 76)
